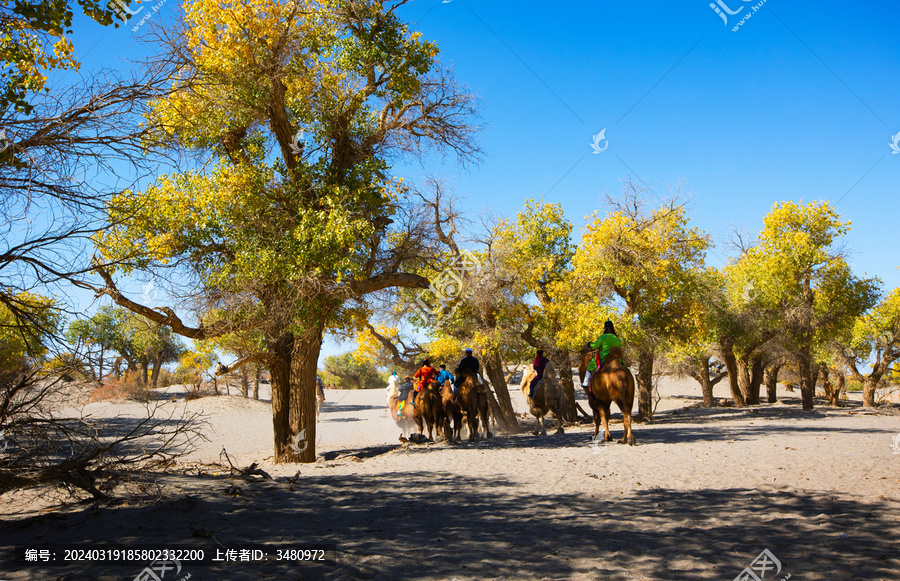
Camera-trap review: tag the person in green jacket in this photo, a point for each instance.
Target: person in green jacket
(608, 339)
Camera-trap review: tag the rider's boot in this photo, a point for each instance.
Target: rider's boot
(587, 379)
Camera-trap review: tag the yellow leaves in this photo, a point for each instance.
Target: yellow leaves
(444, 348)
(369, 349)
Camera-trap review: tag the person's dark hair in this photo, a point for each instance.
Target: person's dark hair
(540, 352)
(426, 362)
(608, 328)
(443, 366)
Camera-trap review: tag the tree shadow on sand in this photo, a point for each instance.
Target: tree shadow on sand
(425, 525)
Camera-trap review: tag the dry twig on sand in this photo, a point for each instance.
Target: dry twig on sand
(247, 473)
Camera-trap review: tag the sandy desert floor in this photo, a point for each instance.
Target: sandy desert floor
(703, 493)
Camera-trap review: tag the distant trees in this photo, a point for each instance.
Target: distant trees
(803, 287)
(875, 337)
(143, 345)
(348, 372)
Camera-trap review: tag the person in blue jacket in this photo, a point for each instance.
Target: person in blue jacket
(444, 375)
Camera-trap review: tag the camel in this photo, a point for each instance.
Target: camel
(548, 397)
(613, 383)
(405, 420)
(452, 413)
(473, 402)
(429, 407)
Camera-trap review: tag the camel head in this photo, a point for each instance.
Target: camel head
(527, 376)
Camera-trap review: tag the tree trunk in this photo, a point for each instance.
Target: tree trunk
(493, 368)
(869, 386)
(826, 382)
(839, 388)
(304, 362)
(645, 384)
(756, 379)
(100, 366)
(706, 385)
(771, 378)
(562, 360)
(145, 369)
(833, 392)
(808, 374)
(257, 375)
(245, 383)
(280, 370)
(157, 365)
(743, 375)
(731, 367)
(497, 415)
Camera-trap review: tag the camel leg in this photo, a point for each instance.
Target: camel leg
(418, 420)
(604, 414)
(487, 425)
(559, 424)
(628, 436)
(628, 432)
(541, 430)
(473, 427)
(596, 420)
(448, 430)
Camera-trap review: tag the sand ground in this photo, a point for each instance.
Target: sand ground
(700, 496)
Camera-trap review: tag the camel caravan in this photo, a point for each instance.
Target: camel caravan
(440, 410)
(443, 404)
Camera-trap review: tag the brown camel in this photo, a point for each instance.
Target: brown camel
(473, 402)
(548, 397)
(613, 383)
(406, 420)
(430, 408)
(452, 413)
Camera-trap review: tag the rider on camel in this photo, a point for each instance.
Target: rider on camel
(444, 375)
(467, 363)
(404, 390)
(608, 339)
(540, 362)
(425, 375)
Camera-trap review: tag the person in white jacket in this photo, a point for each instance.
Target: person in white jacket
(393, 390)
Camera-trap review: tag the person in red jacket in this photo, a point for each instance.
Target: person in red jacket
(424, 375)
(540, 362)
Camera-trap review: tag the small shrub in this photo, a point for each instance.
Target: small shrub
(165, 378)
(197, 390)
(127, 387)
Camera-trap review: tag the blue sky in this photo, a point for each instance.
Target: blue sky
(800, 103)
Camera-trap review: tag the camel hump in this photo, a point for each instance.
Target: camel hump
(550, 371)
(615, 352)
